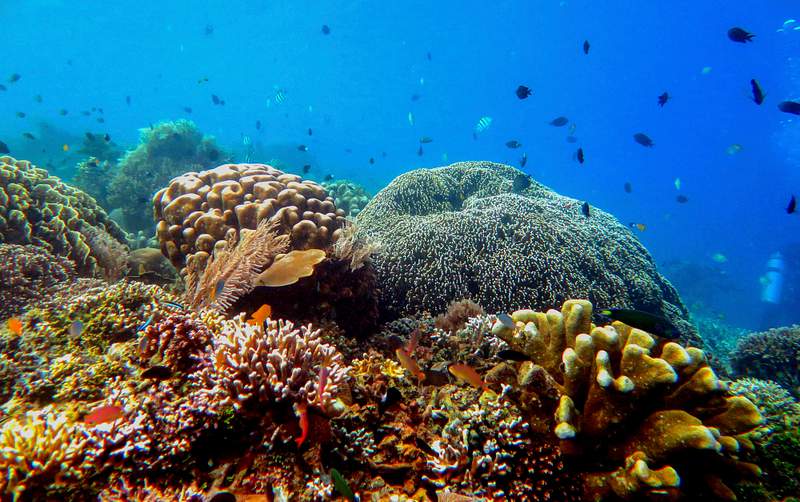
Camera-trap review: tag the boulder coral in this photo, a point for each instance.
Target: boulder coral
(770, 355)
(198, 210)
(165, 150)
(622, 397)
(462, 232)
(39, 209)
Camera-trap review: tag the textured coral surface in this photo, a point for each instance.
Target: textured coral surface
(770, 355)
(460, 232)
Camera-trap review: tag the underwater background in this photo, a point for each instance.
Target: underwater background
(647, 118)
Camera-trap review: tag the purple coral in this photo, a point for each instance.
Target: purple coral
(28, 275)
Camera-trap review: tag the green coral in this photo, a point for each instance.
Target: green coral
(165, 150)
(348, 195)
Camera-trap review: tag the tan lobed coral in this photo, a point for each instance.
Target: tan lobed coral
(39, 209)
(461, 231)
(624, 397)
(198, 210)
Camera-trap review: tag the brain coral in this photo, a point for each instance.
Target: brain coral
(198, 209)
(770, 355)
(459, 232)
(39, 209)
(165, 150)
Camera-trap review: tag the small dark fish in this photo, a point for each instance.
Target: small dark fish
(523, 92)
(209, 30)
(572, 139)
(628, 187)
(428, 55)
(187, 109)
(521, 183)
(790, 209)
(758, 92)
(341, 486)
(792, 107)
(420, 151)
(101, 120)
(62, 112)
(426, 139)
(579, 155)
(415, 97)
(258, 125)
(371, 160)
(326, 30)
(513, 144)
(202, 80)
(437, 378)
(383, 154)
(585, 209)
(3, 88)
(89, 136)
(14, 77)
(94, 108)
(29, 135)
(127, 100)
(328, 177)
(512, 355)
(643, 139)
(4, 148)
(506, 320)
(682, 199)
(645, 321)
(306, 168)
(215, 99)
(157, 373)
(310, 132)
(586, 47)
(523, 160)
(107, 137)
(38, 98)
(302, 148)
(86, 113)
(662, 99)
(740, 35)
(224, 496)
(21, 115)
(391, 397)
(559, 121)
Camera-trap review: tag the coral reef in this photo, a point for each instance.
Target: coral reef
(347, 195)
(655, 409)
(780, 410)
(461, 232)
(39, 209)
(28, 275)
(165, 150)
(457, 315)
(770, 355)
(150, 266)
(720, 338)
(198, 210)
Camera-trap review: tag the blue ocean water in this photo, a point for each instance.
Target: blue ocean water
(353, 87)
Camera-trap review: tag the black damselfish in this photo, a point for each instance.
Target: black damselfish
(645, 321)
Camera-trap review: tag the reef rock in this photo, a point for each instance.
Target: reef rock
(462, 232)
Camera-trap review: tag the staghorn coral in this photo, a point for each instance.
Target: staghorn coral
(459, 232)
(347, 195)
(770, 355)
(198, 210)
(165, 150)
(255, 367)
(39, 452)
(39, 209)
(28, 275)
(655, 409)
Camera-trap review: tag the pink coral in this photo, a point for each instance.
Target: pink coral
(177, 341)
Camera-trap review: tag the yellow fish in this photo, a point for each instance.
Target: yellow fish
(638, 226)
(65, 147)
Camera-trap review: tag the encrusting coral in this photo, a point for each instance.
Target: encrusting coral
(39, 209)
(165, 150)
(28, 275)
(770, 355)
(461, 231)
(622, 396)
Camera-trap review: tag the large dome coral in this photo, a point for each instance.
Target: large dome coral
(461, 232)
(39, 209)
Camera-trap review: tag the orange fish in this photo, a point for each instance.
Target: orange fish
(103, 414)
(412, 342)
(258, 317)
(302, 409)
(408, 362)
(468, 374)
(218, 288)
(15, 326)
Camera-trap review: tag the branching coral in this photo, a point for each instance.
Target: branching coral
(654, 408)
(780, 410)
(29, 274)
(39, 209)
(178, 342)
(165, 150)
(461, 232)
(771, 355)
